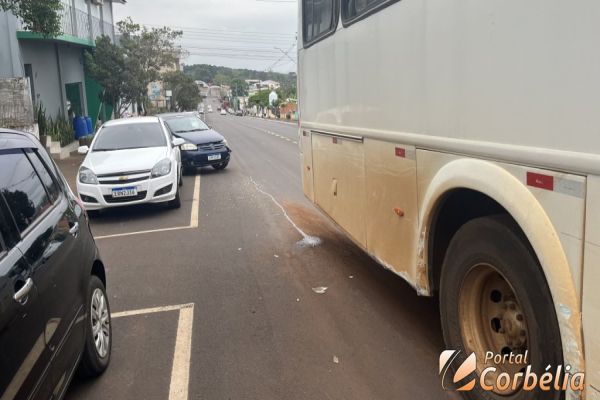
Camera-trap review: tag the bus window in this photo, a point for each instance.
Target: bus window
(320, 19)
(353, 10)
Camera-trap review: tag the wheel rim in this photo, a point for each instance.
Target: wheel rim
(491, 319)
(100, 323)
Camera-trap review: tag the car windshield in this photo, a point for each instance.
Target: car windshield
(130, 136)
(186, 124)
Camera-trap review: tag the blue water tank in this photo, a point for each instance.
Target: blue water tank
(80, 126)
(90, 128)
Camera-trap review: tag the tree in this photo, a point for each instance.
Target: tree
(239, 88)
(126, 71)
(149, 51)
(108, 66)
(260, 99)
(221, 79)
(41, 16)
(186, 95)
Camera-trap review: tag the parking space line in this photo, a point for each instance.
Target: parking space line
(152, 310)
(194, 218)
(180, 371)
(195, 203)
(117, 235)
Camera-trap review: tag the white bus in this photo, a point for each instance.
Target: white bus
(458, 143)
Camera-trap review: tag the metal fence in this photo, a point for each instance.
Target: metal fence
(108, 30)
(79, 23)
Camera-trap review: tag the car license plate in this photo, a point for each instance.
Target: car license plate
(124, 192)
(214, 157)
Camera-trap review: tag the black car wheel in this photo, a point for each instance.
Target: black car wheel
(98, 338)
(221, 166)
(176, 202)
(494, 297)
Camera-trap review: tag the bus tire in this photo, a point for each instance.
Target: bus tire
(494, 297)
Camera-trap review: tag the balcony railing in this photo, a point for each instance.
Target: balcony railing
(78, 23)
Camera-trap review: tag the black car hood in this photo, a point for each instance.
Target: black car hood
(201, 137)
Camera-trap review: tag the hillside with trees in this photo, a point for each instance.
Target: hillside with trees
(229, 76)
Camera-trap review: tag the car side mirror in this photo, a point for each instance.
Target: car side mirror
(83, 150)
(178, 142)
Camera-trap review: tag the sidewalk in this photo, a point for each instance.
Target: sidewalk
(281, 121)
(69, 167)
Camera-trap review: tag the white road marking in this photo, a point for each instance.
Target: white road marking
(180, 371)
(117, 235)
(194, 219)
(195, 203)
(152, 310)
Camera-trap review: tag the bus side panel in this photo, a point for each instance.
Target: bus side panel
(392, 213)
(339, 182)
(307, 164)
(591, 294)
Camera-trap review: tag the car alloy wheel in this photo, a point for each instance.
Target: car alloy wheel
(100, 323)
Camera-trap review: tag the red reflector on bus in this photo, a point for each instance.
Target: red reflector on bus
(334, 140)
(400, 152)
(540, 181)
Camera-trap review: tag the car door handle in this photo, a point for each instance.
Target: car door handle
(74, 229)
(22, 294)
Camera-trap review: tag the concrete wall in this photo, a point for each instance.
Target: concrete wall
(16, 107)
(10, 64)
(42, 57)
(108, 12)
(81, 5)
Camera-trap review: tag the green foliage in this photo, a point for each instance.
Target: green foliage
(261, 99)
(60, 129)
(186, 95)
(125, 71)
(239, 88)
(108, 66)
(41, 16)
(226, 76)
(41, 119)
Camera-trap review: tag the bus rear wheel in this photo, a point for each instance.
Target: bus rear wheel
(495, 298)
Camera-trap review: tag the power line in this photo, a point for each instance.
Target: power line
(225, 31)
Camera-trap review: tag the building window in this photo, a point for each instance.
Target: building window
(319, 19)
(354, 10)
(29, 74)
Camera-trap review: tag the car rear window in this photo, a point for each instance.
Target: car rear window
(130, 136)
(22, 188)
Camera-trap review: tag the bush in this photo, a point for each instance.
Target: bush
(61, 130)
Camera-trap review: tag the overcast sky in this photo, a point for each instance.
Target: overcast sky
(232, 33)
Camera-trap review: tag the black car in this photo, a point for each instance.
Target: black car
(54, 312)
(204, 146)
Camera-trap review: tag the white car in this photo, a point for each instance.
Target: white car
(130, 162)
(223, 112)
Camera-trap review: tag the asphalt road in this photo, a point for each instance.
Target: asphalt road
(258, 329)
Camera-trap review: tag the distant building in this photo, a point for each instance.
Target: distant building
(272, 85)
(203, 88)
(157, 93)
(256, 86)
